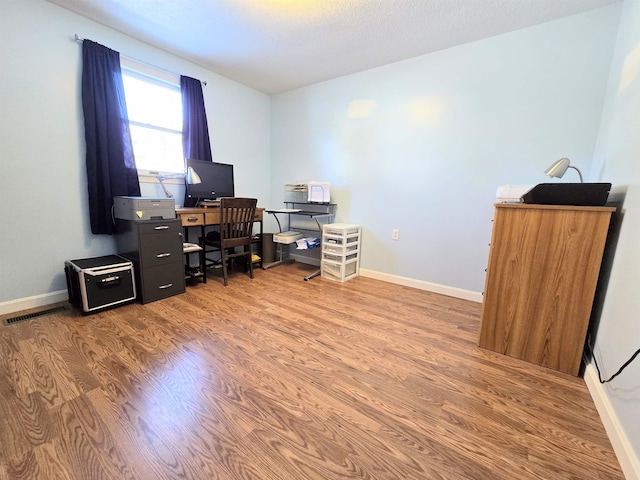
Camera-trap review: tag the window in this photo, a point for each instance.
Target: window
(154, 105)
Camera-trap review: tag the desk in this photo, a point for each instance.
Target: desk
(312, 211)
(210, 216)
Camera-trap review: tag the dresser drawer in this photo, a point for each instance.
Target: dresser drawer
(192, 219)
(162, 281)
(160, 249)
(167, 226)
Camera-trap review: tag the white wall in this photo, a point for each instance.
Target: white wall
(617, 160)
(43, 198)
(422, 145)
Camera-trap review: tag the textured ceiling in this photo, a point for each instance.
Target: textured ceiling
(278, 45)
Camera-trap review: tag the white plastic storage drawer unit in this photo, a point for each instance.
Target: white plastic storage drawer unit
(339, 273)
(340, 251)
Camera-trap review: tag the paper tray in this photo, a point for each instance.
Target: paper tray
(287, 237)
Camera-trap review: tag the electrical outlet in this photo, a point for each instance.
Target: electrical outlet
(395, 234)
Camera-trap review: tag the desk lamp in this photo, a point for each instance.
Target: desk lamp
(560, 167)
(191, 176)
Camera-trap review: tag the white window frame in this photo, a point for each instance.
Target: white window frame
(160, 77)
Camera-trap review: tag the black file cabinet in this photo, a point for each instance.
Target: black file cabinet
(155, 248)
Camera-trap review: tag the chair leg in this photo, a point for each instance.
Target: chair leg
(223, 257)
(250, 260)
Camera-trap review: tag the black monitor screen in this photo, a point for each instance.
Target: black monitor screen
(216, 181)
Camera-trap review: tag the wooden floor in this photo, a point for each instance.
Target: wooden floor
(278, 378)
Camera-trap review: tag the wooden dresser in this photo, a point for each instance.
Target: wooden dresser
(544, 263)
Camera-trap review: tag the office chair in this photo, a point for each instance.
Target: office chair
(236, 230)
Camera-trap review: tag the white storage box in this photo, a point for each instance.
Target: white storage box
(337, 258)
(341, 229)
(340, 249)
(339, 272)
(342, 241)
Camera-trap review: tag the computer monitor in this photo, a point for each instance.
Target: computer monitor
(216, 181)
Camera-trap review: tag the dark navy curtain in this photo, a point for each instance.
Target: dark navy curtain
(111, 168)
(195, 131)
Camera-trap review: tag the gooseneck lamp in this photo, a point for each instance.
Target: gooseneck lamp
(559, 168)
(191, 176)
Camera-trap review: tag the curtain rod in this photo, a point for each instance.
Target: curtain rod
(80, 40)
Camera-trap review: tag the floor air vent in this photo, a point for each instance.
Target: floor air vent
(28, 316)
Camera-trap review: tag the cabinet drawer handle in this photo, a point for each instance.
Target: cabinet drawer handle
(192, 219)
(166, 285)
(161, 227)
(163, 255)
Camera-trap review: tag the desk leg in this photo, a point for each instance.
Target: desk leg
(203, 257)
(312, 275)
(261, 245)
(284, 257)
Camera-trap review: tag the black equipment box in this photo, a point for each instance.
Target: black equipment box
(584, 194)
(99, 283)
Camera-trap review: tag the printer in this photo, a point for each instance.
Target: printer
(511, 193)
(143, 208)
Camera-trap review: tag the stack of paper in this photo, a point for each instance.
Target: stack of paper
(306, 243)
(295, 187)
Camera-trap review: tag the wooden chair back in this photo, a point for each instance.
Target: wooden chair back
(236, 220)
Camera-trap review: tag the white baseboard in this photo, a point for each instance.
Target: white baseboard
(406, 282)
(36, 301)
(629, 462)
(422, 285)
